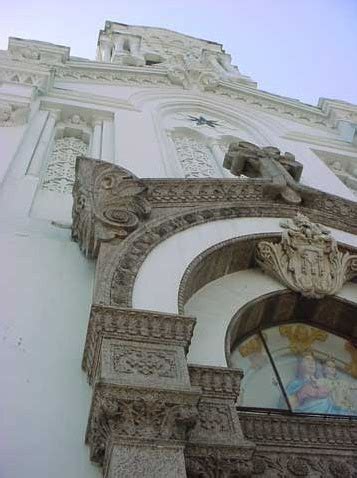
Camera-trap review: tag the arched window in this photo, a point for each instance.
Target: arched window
(299, 368)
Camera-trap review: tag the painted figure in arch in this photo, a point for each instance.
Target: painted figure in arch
(306, 392)
(340, 390)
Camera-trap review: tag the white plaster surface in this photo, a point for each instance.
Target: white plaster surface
(46, 293)
(166, 264)
(10, 138)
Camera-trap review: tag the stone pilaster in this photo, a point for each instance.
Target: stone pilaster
(216, 446)
(143, 405)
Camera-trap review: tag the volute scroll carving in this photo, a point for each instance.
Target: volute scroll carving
(109, 202)
(307, 260)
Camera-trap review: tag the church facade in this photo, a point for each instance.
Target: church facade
(179, 258)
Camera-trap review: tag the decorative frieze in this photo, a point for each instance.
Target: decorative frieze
(218, 462)
(36, 77)
(281, 465)
(307, 259)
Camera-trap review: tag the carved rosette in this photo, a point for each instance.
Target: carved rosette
(109, 203)
(307, 260)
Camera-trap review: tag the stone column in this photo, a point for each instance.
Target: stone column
(143, 405)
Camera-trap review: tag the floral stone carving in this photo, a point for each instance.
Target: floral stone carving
(120, 413)
(307, 260)
(109, 202)
(282, 170)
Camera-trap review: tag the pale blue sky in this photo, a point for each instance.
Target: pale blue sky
(304, 49)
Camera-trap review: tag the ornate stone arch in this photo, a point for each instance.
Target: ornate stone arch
(124, 218)
(119, 266)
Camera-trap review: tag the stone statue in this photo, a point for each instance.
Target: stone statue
(283, 170)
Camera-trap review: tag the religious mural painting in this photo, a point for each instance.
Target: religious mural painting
(299, 368)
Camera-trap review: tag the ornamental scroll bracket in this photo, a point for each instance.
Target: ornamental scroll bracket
(307, 260)
(109, 203)
(281, 170)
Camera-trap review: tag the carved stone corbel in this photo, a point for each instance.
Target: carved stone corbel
(307, 260)
(109, 203)
(282, 170)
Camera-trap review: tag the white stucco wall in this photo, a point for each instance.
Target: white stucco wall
(45, 286)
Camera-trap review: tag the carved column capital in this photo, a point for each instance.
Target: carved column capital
(109, 203)
(128, 415)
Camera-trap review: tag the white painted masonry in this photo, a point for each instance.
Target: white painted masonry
(125, 109)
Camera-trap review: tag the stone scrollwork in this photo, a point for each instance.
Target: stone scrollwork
(282, 170)
(109, 203)
(307, 260)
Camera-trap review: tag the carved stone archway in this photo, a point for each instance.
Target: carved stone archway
(150, 407)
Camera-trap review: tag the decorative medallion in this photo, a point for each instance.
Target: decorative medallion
(307, 260)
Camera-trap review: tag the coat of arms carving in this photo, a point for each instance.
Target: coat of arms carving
(307, 260)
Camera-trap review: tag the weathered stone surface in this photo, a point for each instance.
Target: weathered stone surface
(169, 337)
(216, 446)
(120, 413)
(108, 203)
(130, 362)
(282, 171)
(307, 259)
(146, 460)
